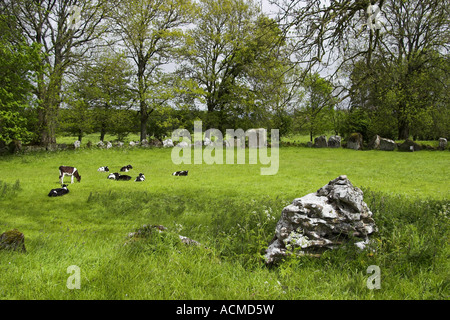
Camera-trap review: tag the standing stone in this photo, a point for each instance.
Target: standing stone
(257, 138)
(355, 141)
(375, 143)
(207, 141)
(77, 144)
(12, 240)
(442, 143)
(409, 146)
(183, 144)
(155, 143)
(320, 142)
(334, 142)
(168, 143)
(387, 144)
(144, 143)
(334, 215)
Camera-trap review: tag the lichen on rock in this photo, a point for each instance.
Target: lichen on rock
(323, 220)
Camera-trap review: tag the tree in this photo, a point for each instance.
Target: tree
(316, 113)
(100, 88)
(229, 53)
(63, 38)
(338, 34)
(19, 68)
(149, 31)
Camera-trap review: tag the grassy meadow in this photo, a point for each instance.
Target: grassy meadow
(232, 210)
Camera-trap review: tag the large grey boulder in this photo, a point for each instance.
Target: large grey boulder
(409, 146)
(320, 142)
(387, 144)
(355, 141)
(375, 143)
(257, 138)
(332, 216)
(334, 142)
(168, 143)
(183, 144)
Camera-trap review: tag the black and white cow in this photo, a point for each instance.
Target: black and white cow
(59, 191)
(113, 176)
(140, 177)
(68, 171)
(123, 177)
(103, 169)
(126, 168)
(117, 176)
(180, 173)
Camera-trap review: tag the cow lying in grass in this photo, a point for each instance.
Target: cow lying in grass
(103, 169)
(180, 173)
(117, 176)
(68, 171)
(59, 191)
(126, 168)
(140, 177)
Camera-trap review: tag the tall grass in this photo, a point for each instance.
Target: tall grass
(232, 211)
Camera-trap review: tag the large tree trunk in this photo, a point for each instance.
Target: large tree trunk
(403, 130)
(47, 119)
(102, 132)
(144, 120)
(50, 102)
(403, 124)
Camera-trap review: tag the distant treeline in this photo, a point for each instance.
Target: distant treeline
(76, 67)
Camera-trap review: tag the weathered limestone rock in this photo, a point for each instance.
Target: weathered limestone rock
(108, 145)
(355, 141)
(334, 142)
(12, 240)
(100, 144)
(320, 142)
(155, 143)
(442, 143)
(335, 214)
(168, 143)
(77, 144)
(257, 138)
(183, 144)
(207, 141)
(144, 143)
(375, 143)
(387, 144)
(409, 146)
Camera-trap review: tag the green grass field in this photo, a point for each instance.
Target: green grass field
(230, 209)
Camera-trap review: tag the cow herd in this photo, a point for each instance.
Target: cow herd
(73, 172)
